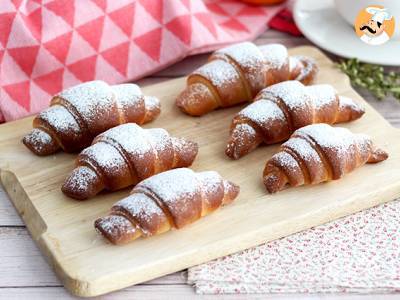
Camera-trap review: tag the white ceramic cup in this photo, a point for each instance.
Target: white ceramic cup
(349, 10)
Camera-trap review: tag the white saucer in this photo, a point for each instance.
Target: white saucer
(321, 24)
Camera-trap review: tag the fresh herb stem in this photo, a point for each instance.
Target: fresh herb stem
(372, 77)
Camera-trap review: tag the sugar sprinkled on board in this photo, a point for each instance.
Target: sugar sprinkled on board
(219, 72)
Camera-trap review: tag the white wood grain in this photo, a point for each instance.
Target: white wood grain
(21, 262)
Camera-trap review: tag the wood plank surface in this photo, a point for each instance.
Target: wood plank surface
(15, 239)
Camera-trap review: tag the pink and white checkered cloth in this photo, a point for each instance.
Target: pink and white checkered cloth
(49, 45)
(356, 254)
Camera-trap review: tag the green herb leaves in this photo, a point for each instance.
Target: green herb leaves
(372, 78)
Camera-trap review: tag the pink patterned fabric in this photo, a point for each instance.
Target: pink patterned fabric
(49, 45)
(359, 254)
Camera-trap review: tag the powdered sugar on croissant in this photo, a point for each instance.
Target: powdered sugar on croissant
(78, 114)
(171, 199)
(318, 153)
(125, 155)
(235, 74)
(282, 108)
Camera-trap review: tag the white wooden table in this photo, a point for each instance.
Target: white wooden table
(24, 274)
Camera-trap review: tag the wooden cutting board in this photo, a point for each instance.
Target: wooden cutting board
(88, 266)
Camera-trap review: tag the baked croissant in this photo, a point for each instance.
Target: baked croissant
(318, 153)
(168, 200)
(237, 73)
(78, 114)
(282, 108)
(123, 156)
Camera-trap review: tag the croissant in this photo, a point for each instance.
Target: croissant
(282, 108)
(78, 114)
(172, 199)
(123, 156)
(318, 153)
(237, 73)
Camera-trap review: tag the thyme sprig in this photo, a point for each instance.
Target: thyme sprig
(372, 77)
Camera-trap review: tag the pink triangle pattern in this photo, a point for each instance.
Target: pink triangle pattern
(49, 45)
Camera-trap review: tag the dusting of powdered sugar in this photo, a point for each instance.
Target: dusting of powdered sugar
(141, 207)
(89, 98)
(38, 138)
(275, 55)
(307, 67)
(210, 180)
(249, 57)
(292, 93)
(60, 119)
(131, 137)
(262, 111)
(246, 54)
(347, 102)
(105, 155)
(293, 63)
(326, 136)
(219, 72)
(321, 94)
(159, 139)
(127, 94)
(80, 178)
(174, 185)
(286, 161)
(151, 103)
(303, 149)
(113, 225)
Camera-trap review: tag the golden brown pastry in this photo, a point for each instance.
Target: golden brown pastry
(318, 153)
(282, 108)
(172, 199)
(237, 73)
(123, 156)
(78, 114)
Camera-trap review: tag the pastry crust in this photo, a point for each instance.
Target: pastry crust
(78, 114)
(172, 199)
(282, 108)
(124, 155)
(318, 153)
(235, 74)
